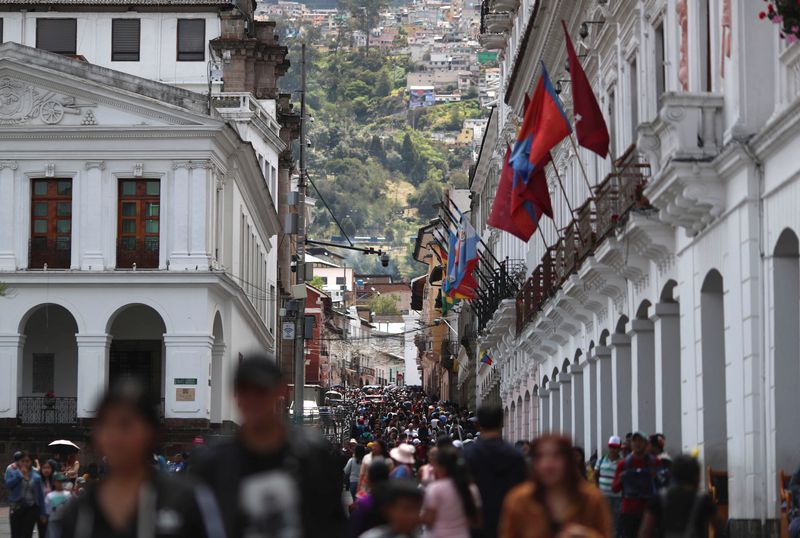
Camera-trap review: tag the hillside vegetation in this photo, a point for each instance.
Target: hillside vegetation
(379, 176)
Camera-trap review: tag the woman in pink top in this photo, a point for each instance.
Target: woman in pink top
(452, 503)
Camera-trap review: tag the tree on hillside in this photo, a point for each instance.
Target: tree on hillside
(408, 153)
(427, 194)
(384, 305)
(365, 13)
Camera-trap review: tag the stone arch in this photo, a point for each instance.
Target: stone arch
(668, 292)
(137, 348)
(712, 323)
(48, 374)
(520, 422)
(218, 373)
(578, 354)
(621, 324)
(604, 337)
(513, 418)
(786, 322)
(643, 312)
(565, 366)
(73, 312)
(157, 308)
(526, 415)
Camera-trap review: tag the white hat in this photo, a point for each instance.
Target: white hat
(403, 454)
(614, 440)
(458, 443)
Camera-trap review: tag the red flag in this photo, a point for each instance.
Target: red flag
(590, 126)
(500, 216)
(545, 123)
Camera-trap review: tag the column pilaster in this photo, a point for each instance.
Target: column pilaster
(578, 429)
(93, 354)
(605, 395)
(643, 376)
(565, 382)
(8, 213)
(621, 388)
(555, 405)
(667, 359)
(187, 383)
(11, 346)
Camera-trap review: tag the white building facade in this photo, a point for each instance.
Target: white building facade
(138, 217)
(669, 302)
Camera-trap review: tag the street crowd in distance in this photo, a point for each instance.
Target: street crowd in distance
(410, 467)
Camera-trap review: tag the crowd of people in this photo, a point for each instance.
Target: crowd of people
(411, 466)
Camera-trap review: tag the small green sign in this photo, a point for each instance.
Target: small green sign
(186, 381)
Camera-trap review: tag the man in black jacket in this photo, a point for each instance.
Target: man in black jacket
(496, 466)
(272, 481)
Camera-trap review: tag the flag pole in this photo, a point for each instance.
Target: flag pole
(583, 168)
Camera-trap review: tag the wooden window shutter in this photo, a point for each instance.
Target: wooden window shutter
(191, 40)
(125, 40)
(57, 35)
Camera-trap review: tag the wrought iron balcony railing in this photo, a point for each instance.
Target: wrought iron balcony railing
(497, 283)
(47, 410)
(618, 194)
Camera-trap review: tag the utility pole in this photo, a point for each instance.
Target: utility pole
(300, 322)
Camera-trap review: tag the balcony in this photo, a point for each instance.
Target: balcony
(46, 253)
(499, 22)
(681, 145)
(493, 41)
(595, 222)
(243, 107)
(497, 284)
(133, 253)
(35, 410)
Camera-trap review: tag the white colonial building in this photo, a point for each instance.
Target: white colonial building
(670, 301)
(138, 215)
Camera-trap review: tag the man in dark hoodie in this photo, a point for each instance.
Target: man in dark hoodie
(496, 466)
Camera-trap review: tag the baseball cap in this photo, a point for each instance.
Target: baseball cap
(258, 371)
(614, 440)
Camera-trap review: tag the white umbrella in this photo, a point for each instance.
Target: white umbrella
(63, 444)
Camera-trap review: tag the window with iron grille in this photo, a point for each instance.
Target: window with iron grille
(191, 40)
(125, 40)
(57, 35)
(51, 223)
(139, 223)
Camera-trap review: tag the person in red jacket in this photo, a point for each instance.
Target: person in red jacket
(636, 479)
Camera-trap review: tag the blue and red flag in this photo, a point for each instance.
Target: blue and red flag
(461, 260)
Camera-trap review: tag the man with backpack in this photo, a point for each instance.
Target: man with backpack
(636, 479)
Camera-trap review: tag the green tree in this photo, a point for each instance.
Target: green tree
(316, 282)
(365, 13)
(427, 194)
(408, 153)
(384, 305)
(383, 86)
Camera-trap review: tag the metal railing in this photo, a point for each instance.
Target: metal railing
(497, 284)
(141, 253)
(52, 253)
(47, 410)
(618, 194)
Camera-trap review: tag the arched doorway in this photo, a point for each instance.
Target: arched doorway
(49, 381)
(520, 420)
(712, 322)
(217, 370)
(527, 416)
(137, 349)
(513, 426)
(786, 316)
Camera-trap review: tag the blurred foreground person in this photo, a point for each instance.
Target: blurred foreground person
(364, 513)
(399, 502)
(495, 465)
(133, 500)
(682, 510)
(557, 502)
(452, 503)
(272, 480)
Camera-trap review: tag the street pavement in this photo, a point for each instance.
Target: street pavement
(5, 532)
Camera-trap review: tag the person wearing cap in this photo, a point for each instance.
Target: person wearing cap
(403, 457)
(271, 479)
(635, 478)
(606, 469)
